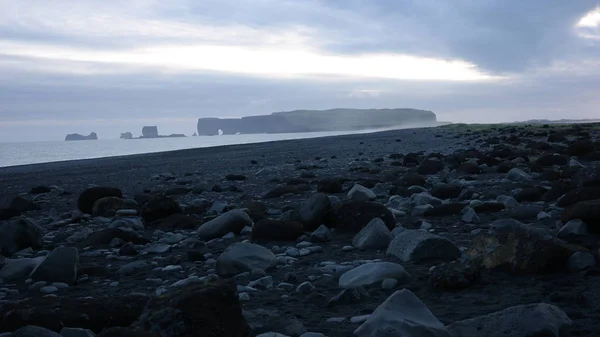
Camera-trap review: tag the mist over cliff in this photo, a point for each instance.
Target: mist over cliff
(317, 121)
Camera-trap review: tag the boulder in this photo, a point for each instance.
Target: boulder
(230, 222)
(551, 160)
(107, 206)
(419, 246)
(207, 309)
(447, 191)
(454, 275)
(518, 175)
(537, 319)
(314, 211)
(372, 273)
(159, 207)
(580, 261)
(586, 211)
(59, 266)
(175, 221)
(530, 194)
(361, 193)
(242, 257)
(579, 194)
(268, 229)
(88, 197)
(20, 233)
(330, 185)
(273, 323)
(321, 234)
(375, 235)
(573, 228)
(430, 166)
(352, 216)
(34, 331)
(18, 269)
(447, 209)
(525, 212)
(402, 314)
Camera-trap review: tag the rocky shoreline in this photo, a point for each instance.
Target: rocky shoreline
(448, 231)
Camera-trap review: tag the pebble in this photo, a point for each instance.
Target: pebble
(48, 289)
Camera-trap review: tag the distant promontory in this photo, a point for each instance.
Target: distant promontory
(76, 136)
(317, 121)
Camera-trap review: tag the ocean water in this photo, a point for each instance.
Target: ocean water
(12, 154)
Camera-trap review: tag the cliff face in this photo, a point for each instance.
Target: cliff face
(127, 135)
(150, 132)
(76, 136)
(316, 121)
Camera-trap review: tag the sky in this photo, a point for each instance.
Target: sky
(107, 66)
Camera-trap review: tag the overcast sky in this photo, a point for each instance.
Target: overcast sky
(109, 66)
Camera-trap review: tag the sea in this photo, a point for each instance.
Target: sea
(24, 153)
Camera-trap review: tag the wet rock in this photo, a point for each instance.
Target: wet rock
(352, 216)
(538, 319)
(372, 273)
(402, 314)
(107, 206)
(128, 249)
(313, 212)
(104, 237)
(209, 309)
(230, 222)
(518, 175)
(580, 261)
(321, 234)
(579, 194)
(18, 269)
(60, 265)
(419, 246)
(573, 228)
(361, 193)
(586, 211)
(95, 313)
(20, 233)
(175, 221)
(375, 235)
(268, 229)
(470, 216)
(242, 257)
(132, 268)
(159, 207)
(88, 197)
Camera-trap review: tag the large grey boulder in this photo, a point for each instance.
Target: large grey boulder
(241, 257)
(538, 319)
(419, 245)
(375, 235)
(402, 314)
(360, 193)
(59, 266)
(233, 221)
(314, 210)
(372, 273)
(20, 233)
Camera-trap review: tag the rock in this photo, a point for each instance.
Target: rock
(60, 265)
(107, 206)
(508, 202)
(242, 257)
(520, 251)
(104, 237)
(313, 211)
(321, 234)
(22, 204)
(230, 222)
(525, 212)
(580, 261)
(40, 189)
(538, 319)
(454, 275)
(470, 216)
(76, 332)
(424, 198)
(20, 233)
(447, 191)
(132, 268)
(580, 148)
(375, 235)
(268, 320)
(34, 331)
(372, 273)
(175, 221)
(579, 194)
(159, 207)
(516, 174)
(17, 269)
(88, 197)
(330, 185)
(267, 229)
(444, 209)
(411, 179)
(352, 216)
(348, 297)
(128, 249)
(402, 314)
(125, 332)
(209, 309)
(573, 228)
(235, 177)
(530, 194)
(280, 191)
(586, 211)
(489, 207)
(361, 193)
(54, 313)
(419, 246)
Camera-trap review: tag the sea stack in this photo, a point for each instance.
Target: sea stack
(76, 136)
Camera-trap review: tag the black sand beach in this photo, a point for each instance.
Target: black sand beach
(451, 182)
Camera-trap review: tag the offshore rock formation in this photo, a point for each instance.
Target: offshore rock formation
(76, 136)
(317, 121)
(150, 132)
(126, 135)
